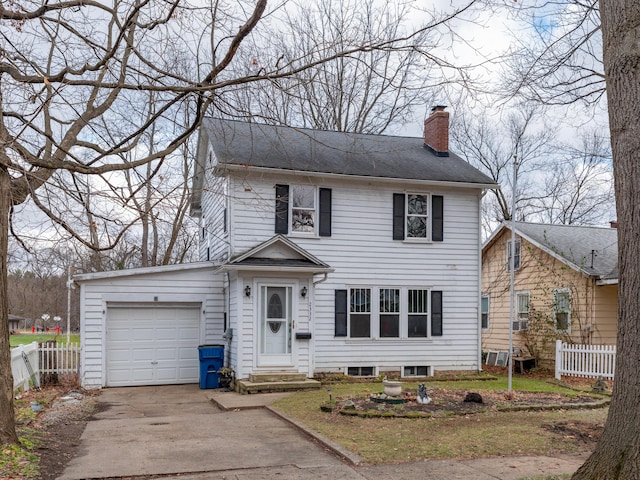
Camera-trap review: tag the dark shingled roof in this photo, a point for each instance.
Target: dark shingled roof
(300, 149)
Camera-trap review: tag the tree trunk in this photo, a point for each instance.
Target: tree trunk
(7, 415)
(617, 455)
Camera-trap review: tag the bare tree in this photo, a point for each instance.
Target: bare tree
(73, 77)
(616, 455)
(578, 184)
(364, 92)
(557, 183)
(560, 61)
(492, 143)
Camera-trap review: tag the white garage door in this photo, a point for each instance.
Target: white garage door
(152, 345)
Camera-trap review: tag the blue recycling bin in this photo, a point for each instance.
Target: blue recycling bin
(211, 360)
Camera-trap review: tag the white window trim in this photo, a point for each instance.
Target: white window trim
(517, 294)
(316, 210)
(407, 238)
(507, 252)
(487, 296)
(569, 313)
(374, 327)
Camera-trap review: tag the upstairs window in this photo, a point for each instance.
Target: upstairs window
(516, 258)
(417, 216)
(303, 209)
(562, 309)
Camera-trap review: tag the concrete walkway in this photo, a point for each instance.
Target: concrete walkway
(182, 432)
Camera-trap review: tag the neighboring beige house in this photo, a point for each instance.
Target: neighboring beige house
(566, 287)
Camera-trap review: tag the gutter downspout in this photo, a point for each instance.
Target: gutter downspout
(312, 317)
(479, 305)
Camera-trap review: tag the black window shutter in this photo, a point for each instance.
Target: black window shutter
(282, 209)
(324, 229)
(341, 313)
(436, 313)
(398, 216)
(437, 218)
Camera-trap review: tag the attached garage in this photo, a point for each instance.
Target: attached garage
(143, 326)
(152, 345)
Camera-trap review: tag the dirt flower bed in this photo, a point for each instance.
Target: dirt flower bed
(53, 433)
(445, 402)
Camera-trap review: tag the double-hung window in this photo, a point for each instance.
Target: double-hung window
(303, 209)
(389, 312)
(562, 309)
(521, 323)
(360, 312)
(417, 216)
(418, 313)
(516, 258)
(484, 311)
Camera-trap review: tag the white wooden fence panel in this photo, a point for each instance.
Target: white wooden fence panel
(19, 369)
(46, 359)
(591, 361)
(59, 358)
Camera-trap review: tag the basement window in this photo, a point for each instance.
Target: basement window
(416, 371)
(361, 371)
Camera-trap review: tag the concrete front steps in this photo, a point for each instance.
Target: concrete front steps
(276, 382)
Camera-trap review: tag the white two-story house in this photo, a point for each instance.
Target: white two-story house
(320, 252)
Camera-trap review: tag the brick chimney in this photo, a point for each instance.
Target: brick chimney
(436, 131)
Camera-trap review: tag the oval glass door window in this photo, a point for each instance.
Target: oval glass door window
(274, 326)
(274, 310)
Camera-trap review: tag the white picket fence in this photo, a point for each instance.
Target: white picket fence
(20, 366)
(28, 362)
(590, 361)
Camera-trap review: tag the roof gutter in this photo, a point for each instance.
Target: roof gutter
(271, 268)
(247, 168)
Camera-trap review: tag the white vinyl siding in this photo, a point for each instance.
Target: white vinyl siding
(214, 220)
(177, 285)
(362, 251)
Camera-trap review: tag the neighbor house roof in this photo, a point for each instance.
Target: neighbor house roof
(240, 144)
(590, 250)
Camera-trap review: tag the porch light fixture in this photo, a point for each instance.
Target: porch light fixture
(303, 292)
(247, 291)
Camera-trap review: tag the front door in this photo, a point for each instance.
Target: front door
(275, 325)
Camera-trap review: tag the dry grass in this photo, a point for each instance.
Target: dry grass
(385, 440)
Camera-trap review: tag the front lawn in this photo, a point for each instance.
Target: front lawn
(25, 338)
(490, 433)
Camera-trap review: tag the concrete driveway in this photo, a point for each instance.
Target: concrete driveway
(176, 430)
